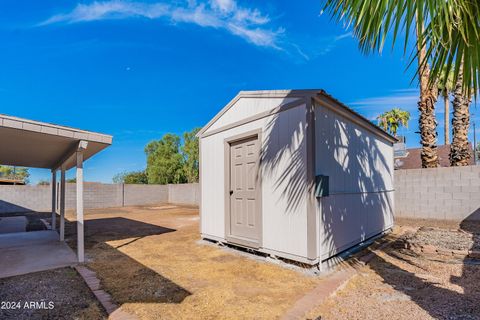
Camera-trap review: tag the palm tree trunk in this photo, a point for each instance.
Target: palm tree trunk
(426, 106)
(446, 118)
(459, 150)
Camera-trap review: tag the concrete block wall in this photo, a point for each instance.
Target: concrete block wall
(442, 193)
(24, 198)
(188, 193)
(96, 195)
(140, 194)
(104, 195)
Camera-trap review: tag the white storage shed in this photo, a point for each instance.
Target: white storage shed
(295, 174)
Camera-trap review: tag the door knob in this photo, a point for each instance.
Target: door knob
(231, 192)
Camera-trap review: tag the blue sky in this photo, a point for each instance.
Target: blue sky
(139, 69)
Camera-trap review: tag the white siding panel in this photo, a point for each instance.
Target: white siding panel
(212, 203)
(283, 172)
(360, 168)
(247, 107)
(284, 182)
(348, 219)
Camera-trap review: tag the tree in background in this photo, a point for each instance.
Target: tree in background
(190, 151)
(372, 21)
(447, 33)
(16, 173)
(427, 122)
(392, 120)
(477, 153)
(134, 177)
(168, 161)
(460, 149)
(43, 183)
(164, 161)
(445, 87)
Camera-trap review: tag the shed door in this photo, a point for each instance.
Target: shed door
(245, 212)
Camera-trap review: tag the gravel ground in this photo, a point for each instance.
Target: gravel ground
(32, 296)
(447, 239)
(400, 284)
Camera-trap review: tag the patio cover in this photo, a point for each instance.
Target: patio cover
(36, 144)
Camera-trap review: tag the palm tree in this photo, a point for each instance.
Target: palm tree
(459, 149)
(392, 120)
(451, 33)
(372, 21)
(447, 32)
(426, 105)
(445, 87)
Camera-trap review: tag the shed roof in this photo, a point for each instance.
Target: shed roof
(36, 144)
(301, 94)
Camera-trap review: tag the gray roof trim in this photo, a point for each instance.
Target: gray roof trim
(256, 94)
(312, 93)
(354, 116)
(52, 129)
(258, 116)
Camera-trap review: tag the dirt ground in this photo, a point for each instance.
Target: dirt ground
(151, 261)
(401, 284)
(63, 287)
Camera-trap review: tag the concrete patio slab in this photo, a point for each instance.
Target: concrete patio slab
(21, 239)
(27, 252)
(13, 224)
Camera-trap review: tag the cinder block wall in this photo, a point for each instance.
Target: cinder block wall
(441, 193)
(96, 195)
(188, 193)
(104, 196)
(140, 194)
(24, 198)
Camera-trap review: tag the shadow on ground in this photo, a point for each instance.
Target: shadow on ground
(33, 219)
(124, 278)
(432, 296)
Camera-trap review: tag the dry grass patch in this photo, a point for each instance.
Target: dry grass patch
(150, 261)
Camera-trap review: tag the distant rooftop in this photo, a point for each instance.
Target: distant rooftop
(10, 181)
(412, 160)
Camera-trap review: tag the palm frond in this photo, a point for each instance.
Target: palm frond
(451, 33)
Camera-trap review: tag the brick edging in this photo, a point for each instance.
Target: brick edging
(93, 283)
(331, 284)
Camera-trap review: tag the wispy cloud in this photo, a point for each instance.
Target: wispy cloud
(309, 47)
(399, 98)
(371, 107)
(343, 36)
(245, 22)
(331, 43)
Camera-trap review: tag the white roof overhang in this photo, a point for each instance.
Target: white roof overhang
(36, 144)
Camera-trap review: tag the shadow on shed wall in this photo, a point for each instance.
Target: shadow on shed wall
(358, 206)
